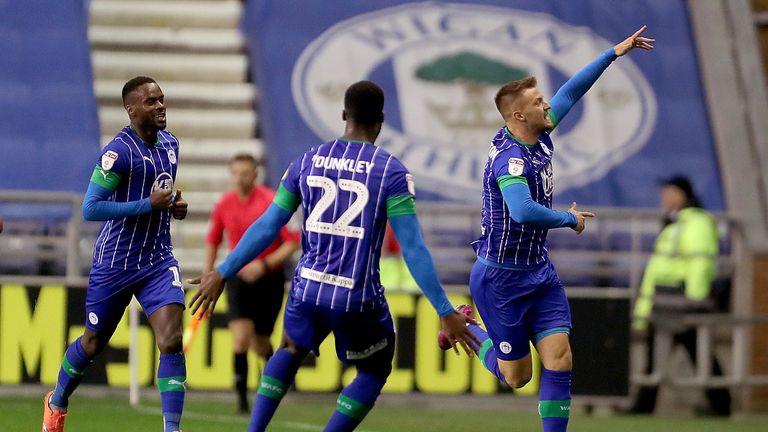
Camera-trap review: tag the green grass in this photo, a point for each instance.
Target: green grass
(110, 414)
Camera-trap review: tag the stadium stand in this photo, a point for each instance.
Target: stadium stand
(49, 122)
(195, 51)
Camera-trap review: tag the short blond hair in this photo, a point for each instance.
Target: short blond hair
(513, 89)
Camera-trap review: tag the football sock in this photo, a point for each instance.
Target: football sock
(555, 400)
(277, 377)
(241, 380)
(487, 352)
(354, 402)
(172, 383)
(72, 367)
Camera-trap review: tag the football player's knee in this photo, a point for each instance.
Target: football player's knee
(171, 343)
(291, 348)
(518, 380)
(92, 343)
(562, 359)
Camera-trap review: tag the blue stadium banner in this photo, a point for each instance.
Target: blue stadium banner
(440, 65)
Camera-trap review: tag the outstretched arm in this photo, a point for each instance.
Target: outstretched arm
(256, 239)
(579, 84)
(422, 268)
(419, 261)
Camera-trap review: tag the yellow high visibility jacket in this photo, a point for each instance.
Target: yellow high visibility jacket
(684, 256)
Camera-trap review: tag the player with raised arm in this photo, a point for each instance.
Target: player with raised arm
(347, 188)
(513, 283)
(131, 190)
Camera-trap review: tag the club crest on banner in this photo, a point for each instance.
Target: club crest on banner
(440, 66)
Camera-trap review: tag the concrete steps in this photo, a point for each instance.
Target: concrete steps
(200, 151)
(187, 94)
(194, 50)
(238, 124)
(165, 39)
(122, 66)
(169, 14)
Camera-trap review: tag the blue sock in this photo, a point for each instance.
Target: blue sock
(72, 367)
(355, 401)
(487, 352)
(555, 400)
(172, 383)
(277, 377)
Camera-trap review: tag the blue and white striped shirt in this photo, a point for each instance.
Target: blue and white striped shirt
(137, 242)
(346, 190)
(505, 241)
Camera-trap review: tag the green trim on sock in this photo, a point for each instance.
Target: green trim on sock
(351, 408)
(555, 408)
(484, 349)
(272, 387)
(69, 369)
(172, 384)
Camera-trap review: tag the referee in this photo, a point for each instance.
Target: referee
(256, 293)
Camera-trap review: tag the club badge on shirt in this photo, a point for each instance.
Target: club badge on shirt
(515, 166)
(171, 156)
(108, 160)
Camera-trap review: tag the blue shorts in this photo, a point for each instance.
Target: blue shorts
(110, 290)
(518, 306)
(360, 336)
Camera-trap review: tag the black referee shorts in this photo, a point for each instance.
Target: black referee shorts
(259, 302)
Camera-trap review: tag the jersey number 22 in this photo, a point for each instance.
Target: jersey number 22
(330, 192)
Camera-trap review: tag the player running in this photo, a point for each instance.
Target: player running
(348, 188)
(513, 283)
(131, 190)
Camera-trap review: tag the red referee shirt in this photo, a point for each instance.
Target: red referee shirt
(234, 216)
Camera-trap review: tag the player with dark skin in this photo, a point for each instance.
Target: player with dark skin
(146, 110)
(212, 284)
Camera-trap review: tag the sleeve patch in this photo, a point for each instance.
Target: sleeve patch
(411, 185)
(106, 179)
(515, 166)
(108, 159)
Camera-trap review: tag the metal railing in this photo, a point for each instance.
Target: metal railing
(439, 218)
(705, 325)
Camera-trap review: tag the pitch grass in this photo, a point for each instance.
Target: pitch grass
(111, 414)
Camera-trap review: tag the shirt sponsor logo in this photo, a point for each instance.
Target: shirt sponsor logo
(108, 160)
(445, 75)
(318, 276)
(547, 179)
(515, 166)
(163, 181)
